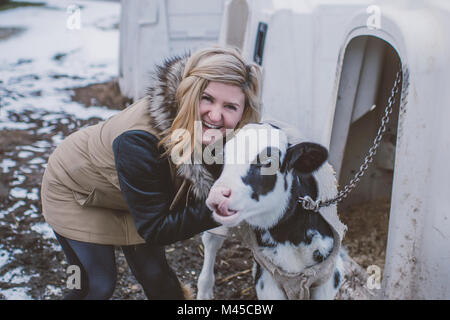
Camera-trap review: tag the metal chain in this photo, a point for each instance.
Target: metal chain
(309, 204)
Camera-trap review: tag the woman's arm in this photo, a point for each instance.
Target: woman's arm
(147, 188)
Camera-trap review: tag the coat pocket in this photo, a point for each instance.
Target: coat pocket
(85, 200)
(98, 198)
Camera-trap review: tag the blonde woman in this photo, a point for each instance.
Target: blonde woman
(115, 184)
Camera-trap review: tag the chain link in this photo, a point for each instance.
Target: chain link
(309, 204)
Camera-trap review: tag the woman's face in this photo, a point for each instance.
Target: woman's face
(221, 107)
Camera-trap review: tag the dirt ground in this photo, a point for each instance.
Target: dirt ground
(41, 259)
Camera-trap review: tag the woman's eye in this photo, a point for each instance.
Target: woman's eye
(206, 98)
(231, 107)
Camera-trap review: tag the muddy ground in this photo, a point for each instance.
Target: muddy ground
(36, 256)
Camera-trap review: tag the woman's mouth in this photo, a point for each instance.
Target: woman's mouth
(211, 132)
(211, 126)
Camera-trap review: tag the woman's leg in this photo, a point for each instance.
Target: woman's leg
(149, 265)
(98, 268)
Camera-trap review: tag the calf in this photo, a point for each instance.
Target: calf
(263, 194)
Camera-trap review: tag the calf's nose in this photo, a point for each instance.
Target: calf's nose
(217, 195)
(226, 192)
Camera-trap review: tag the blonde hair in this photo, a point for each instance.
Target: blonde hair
(220, 64)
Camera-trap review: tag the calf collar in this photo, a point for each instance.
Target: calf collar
(295, 285)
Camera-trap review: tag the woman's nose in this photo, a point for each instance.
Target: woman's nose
(215, 114)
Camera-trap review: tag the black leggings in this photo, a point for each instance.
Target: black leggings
(98, 270)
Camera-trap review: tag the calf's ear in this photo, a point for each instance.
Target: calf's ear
(305, 157)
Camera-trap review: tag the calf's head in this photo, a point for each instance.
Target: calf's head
(259, 168)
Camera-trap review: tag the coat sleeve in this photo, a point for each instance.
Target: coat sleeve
(146, 185)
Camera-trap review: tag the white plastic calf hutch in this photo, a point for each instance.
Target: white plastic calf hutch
(329, 67)
(151, 30)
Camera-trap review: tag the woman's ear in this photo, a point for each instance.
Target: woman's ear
(305, 157)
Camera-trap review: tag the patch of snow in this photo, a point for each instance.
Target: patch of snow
(44, 229)
(15, 276)
(31, 213)
(25, 169)
(19, 179)
(34, 194)
(37, 160)
(55, 247)
(42, 144)
(45, 130)
(17, 251)
(18, 192)
(52, 116)
(25, 154)
(12, 208)
(4, 257)
(18, 293)
(15, 125)
(33, 149)
(35, 115)
(6, 164)
(52, 290)
(57, 139)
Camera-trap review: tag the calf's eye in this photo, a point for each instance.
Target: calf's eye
(265, 161)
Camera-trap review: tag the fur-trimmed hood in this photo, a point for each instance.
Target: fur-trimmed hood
(163, 108)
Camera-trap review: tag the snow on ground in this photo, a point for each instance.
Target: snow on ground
(4, 257)
(6, 164)
(44, 229)
(38, 66)
(17, 293)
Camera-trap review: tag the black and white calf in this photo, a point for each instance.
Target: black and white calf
(263, 192)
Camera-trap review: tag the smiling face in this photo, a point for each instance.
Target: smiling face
(221, 107)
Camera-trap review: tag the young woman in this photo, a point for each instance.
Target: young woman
(115, 184)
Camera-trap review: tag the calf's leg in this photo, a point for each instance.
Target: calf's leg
(265, 285)
(212, 242)
(329, 289)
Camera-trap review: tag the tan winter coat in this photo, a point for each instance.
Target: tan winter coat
(80, 192)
